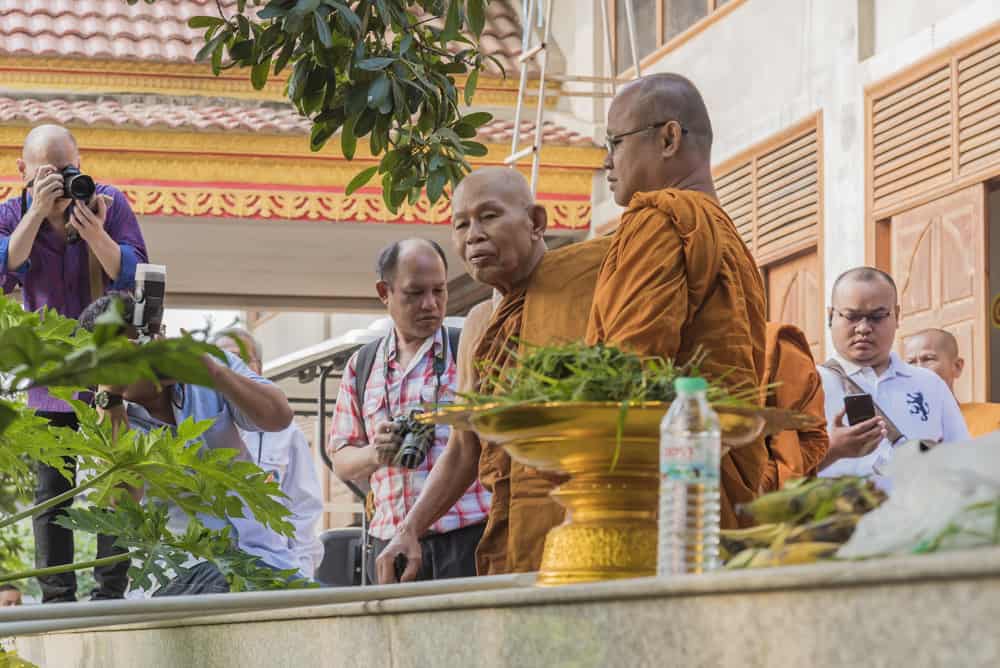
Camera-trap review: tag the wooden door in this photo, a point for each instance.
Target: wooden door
(938, 253)
(794, 296)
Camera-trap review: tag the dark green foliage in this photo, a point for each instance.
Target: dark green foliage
(577, 372)
(366, 68)
(46, 349)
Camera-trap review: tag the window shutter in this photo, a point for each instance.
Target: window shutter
(772, 193)
(787, 180)
(911, 138)
(978, 98)
(735, 190)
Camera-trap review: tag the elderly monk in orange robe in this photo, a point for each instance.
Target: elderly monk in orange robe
(677, 277)
(498, 231)
(789, 366)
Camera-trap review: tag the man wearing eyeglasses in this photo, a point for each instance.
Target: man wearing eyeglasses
(909, 402)
(677, 277)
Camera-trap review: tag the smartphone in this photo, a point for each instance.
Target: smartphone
(859, 407)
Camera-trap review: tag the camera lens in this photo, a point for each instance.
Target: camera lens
(81, 187)
(77, 184)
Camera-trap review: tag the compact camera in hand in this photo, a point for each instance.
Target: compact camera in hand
(418, 439)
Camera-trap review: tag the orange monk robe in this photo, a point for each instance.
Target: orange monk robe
(981, 418)
(552, 308)
(789, 366)
(678, 278)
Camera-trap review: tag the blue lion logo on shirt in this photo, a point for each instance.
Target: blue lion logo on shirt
(918, 405)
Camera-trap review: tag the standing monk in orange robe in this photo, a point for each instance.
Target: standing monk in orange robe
(677, 277)
(497, 230)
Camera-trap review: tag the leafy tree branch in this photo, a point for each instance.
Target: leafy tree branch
(367, 68)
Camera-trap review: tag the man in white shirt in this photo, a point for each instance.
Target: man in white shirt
(910, 402)
(287, 456)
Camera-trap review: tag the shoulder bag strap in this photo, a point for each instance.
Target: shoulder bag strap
(363, 365)
(851, 387)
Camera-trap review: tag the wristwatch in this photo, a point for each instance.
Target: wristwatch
(105, 399)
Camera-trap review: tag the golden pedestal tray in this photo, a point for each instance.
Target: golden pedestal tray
(612, 495)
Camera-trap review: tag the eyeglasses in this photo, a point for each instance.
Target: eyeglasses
(855, 317)
(613, 140)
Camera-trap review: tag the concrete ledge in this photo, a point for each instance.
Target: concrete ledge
(927, 610)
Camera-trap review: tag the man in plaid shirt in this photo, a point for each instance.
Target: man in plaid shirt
(413, 367)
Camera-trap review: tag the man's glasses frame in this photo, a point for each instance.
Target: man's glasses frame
(874, 318)
(611, 141)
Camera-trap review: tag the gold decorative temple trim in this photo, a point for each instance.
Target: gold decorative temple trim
(207, 201)
(83, 76)
(270, 176)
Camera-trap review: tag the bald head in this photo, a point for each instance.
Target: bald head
(935, 350)
(668, 96)
(865, 275)
(50, 144)
(938, 339)
(503, 182)
(497, 228)
(659, 136)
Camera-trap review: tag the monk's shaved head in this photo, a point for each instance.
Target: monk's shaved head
(497, 228)
(50, 144)
(667, 96)
(865, 275)
(939, 339)
(936, 350)
(659, 137)
(502, 181)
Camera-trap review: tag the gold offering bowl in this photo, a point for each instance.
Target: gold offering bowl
(612, 494)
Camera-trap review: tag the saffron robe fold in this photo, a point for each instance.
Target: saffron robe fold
(981, 418)
(678, 278)
(790, 367)
(552, 307)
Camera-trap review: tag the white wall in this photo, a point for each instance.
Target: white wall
(288, 332)
(896, 20)
(772, 63)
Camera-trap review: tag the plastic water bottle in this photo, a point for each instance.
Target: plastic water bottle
(690, 447)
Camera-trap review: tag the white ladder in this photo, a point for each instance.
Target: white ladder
(539, 53)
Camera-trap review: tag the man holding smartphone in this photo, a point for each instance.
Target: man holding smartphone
(874, 400)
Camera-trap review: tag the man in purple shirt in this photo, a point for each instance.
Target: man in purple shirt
(51, 246)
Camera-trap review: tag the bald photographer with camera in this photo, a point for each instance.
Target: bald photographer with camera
(65, 241)
(373, 439)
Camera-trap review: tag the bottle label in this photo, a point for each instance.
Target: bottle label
(687, 472)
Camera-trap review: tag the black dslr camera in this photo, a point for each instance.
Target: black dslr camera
(80, 188)
(418, 438)
(76, 184)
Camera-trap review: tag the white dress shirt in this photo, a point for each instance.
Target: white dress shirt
(286, 455)
(916, 400)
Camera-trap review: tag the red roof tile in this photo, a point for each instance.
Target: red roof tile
(114, 29)
(275, 119)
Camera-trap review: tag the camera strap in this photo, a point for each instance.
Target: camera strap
(365, 358)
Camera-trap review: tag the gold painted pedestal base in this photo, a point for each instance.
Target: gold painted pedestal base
(610, 530)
